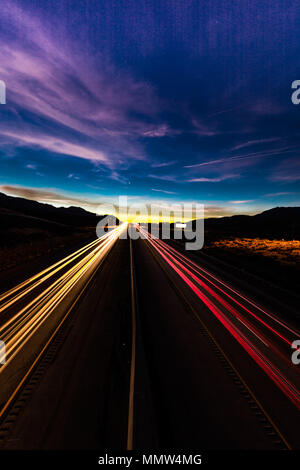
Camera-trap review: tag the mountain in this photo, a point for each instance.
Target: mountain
(279, 222)
(18, 214)
(22, 219)
(74, 216)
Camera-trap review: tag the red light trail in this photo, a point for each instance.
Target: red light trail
(275, 363)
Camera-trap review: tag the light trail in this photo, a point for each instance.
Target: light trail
(44, 275)
(200, 271)
(277, 366)
(16, 331)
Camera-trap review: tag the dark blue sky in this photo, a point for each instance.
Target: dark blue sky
(164, 101)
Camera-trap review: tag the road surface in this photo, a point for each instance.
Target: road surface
(131, 344)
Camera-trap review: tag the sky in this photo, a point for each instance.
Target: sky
(163, 101)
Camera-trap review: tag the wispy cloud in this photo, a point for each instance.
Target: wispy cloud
(250, 143)
(49, 197)
(203, 129)
(281, 151)
(162, 191)
(56, 145)
(76, 100)
(209, 162)
(279, 194)
(117, 177)
(217, 179)
(98, 205)
(265, 107)
(288, 171)
(245, 201)
(160, 131)
(163, 177)
(72, 176)
(163, 164)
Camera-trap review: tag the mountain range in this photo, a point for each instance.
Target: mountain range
(23, 214)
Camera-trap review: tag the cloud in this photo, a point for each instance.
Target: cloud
(74, 99)
(288, 171)
(109, 205)
(160, 131)
(217, 179)
(265, 107)
(72, 176)
(56, 145)
(241, 202)
(250, 156)
(163, 164)
(48, 197)
(249, 143)
(204, 130)
(217, 211)
(59, 199)
(163, 177)
(286, 193)
(209, 162)
(117, 177)
(162, 191)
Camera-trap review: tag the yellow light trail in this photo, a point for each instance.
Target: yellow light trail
(50, 270)
(22, 325)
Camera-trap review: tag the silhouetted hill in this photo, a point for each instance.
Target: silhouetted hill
(25, 222)
(279, 222)
(70, 216)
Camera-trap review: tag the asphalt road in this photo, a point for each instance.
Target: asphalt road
(77, 402)
(195, 365)
(198, 398)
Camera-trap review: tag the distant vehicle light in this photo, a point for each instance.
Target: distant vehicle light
(180, 225)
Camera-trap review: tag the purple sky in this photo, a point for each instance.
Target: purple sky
(164, 101)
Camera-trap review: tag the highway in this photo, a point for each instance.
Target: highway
(267, 339)
(254, 344)
(131, 344)
(30, 310)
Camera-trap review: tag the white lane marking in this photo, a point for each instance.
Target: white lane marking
(253, 332)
